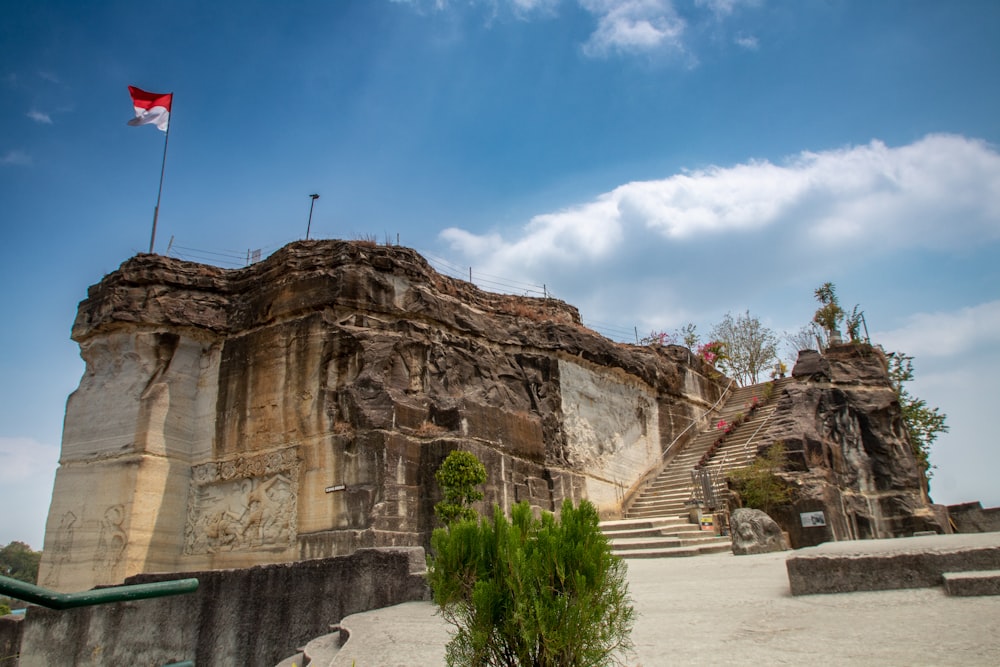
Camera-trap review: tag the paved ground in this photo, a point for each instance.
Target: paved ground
(735, 610)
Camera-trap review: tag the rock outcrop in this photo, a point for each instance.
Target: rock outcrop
(754, 532)
(849, 455)
(298, 408)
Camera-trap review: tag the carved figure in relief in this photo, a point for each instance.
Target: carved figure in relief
(62, 548)
(112, 540)
(240, 515)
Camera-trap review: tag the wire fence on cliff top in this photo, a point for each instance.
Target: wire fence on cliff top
(234, 259)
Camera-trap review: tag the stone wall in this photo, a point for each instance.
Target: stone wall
(849, 455)
(255, 616)
(972, 518)
(11, 629)
(298, 408)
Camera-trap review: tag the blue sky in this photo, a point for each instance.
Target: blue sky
(653, 162)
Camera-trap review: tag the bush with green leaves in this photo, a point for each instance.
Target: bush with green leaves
(758, 484)
(459, 475)
(532, 591)
(924, 424)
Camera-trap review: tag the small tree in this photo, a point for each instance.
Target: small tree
(923, 424)
(758, 484)
(689, 334)
(526, 591)
(459, 475)
(751, 348)
(852, 322)
(829, 315)
(19, 561)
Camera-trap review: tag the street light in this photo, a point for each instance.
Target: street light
(311, 204)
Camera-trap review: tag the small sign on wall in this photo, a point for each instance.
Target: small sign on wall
(812, 519)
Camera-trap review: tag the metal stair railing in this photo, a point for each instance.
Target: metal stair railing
(695, 421)
(62, 601)
(642, 481)
(707, 485)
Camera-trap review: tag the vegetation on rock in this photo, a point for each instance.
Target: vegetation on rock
(924, 424)
(758, 486)
(532, 591)
(459, 475)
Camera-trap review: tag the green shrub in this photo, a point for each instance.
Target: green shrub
(459, 475)
(527, 591)
(758, 485)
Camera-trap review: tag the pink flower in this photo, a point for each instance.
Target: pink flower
(721, 425)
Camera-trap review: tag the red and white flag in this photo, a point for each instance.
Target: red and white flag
(151, 108)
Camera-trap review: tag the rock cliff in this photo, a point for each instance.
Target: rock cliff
(849, 455)
(298, 408)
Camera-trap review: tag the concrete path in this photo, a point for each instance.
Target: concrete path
(734, 610)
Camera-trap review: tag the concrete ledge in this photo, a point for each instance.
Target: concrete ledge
(877, 565)
(964, 584)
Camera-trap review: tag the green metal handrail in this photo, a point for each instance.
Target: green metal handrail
(53, 600)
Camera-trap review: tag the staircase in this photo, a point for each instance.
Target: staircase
(657, 522)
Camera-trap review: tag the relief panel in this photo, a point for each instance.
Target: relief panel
(244, 504)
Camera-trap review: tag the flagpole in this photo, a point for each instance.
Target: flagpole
(163, 166)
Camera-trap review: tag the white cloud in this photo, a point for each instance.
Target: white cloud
(27, 472)
(534, 5)
(948, 334)
(15, 157)
(943, 190)
(633, 25)
(623, 27)
(724, 8)
(694, 245)
(23, 457)
(39, 117)
(748, 42)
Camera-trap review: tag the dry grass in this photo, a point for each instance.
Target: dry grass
(429, 429)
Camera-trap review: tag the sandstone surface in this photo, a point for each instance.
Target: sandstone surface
(298, 408)
(849, 455)
(754, 532)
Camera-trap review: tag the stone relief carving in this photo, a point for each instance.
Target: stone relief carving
(112, 539)
(243, 504)
(62, 549)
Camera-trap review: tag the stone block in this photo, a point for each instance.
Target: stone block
(983, 582)
(874, 565)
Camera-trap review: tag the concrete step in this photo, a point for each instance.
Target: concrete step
(633, 543)
(976, 582)
(646, 533)
(721, 545)
(663, 509)
(657, 501)
(321, 650)
(658, 523)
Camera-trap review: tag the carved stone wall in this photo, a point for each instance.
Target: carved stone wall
(298, 408)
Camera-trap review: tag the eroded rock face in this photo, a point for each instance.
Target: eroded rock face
(299, 407)
(754, 532)
(849, 453)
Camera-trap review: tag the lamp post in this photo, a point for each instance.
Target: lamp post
(311, 204)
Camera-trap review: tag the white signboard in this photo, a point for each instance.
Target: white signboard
(811, 519)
